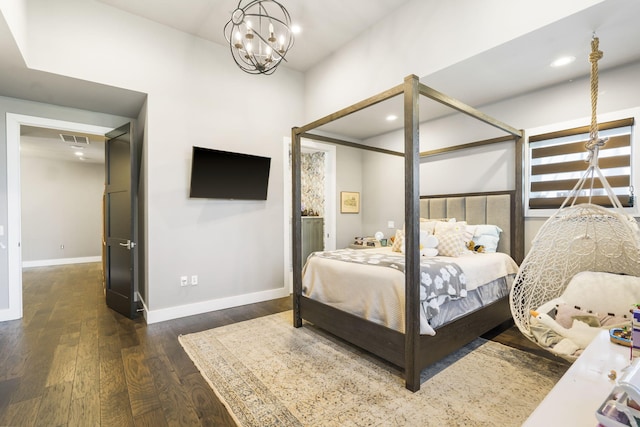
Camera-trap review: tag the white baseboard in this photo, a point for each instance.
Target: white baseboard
(160, 315)
(10, 313)
(60, 261)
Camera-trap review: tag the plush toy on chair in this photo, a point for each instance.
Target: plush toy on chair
(580, 333)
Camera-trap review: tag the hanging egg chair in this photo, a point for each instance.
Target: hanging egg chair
(578, 238)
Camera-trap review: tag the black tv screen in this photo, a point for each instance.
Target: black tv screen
(219, 174)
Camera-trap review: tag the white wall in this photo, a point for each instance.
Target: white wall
(196, 96)
(348, 178)
(61, 209)
(15, 13)
(383, 193)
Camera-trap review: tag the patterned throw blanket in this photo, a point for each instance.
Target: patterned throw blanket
(440, 279)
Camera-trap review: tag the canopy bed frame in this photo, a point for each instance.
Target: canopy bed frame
(410, 350)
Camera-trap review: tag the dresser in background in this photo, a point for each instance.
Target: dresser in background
(312, 235)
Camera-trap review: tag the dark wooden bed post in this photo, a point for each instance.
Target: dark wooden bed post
(296, 224)
(518, 227)
(412, 237)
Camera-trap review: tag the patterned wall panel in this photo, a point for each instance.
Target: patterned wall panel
(313, 183)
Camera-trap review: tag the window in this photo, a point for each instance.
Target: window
(557, 162)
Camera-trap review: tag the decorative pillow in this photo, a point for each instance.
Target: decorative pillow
(469, 231)
(451, 243)
(487, 235)
(443, 226)
(398, 241)
(601, 292)
(490, 243)
(428, 226)
(487, 229)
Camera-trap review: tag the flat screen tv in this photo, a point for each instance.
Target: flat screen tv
(219, 174)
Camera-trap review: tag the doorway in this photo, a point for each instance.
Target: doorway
(14, 229)
(328, 205)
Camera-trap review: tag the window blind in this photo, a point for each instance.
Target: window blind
(557, 162)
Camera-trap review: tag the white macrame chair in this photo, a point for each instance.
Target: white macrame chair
(578, 237)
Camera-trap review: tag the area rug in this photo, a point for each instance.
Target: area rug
(268, 373)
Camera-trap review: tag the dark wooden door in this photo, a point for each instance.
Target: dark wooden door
(120, 179)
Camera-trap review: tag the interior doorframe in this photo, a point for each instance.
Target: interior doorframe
(330, 197)
(14, 225)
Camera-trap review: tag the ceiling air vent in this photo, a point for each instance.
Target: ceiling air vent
(74, 139)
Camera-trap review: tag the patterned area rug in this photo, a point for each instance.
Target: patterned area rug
(269, 373)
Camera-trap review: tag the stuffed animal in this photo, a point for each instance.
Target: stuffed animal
(475, 248)
(579, 332)
(428, 244)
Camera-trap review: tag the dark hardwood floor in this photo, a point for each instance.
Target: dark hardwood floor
(71, 361)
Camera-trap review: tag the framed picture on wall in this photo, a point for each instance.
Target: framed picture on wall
(349, 202)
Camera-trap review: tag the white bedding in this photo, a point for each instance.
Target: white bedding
(376, 293)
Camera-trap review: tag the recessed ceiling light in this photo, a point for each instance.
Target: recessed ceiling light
(78, 153)
(562, 61)
(296, 29)
(76, 147)
(391, 117)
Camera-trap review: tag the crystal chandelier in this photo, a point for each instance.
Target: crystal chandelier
(259, 35)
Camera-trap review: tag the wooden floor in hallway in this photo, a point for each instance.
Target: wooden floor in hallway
(71, 361)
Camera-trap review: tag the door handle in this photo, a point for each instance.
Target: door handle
(129, 245)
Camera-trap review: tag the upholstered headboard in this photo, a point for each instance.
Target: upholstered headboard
(495, 208)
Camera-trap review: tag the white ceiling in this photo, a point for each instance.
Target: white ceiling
(326, 24)
(47, 143)
(517, 67)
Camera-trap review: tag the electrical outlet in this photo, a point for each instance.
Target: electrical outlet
(183, 281)
(391, 224)
(194, 280)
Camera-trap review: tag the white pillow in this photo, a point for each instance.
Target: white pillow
(487, 235)
(603, 292)
(488, 229)
(443, 227)
(490, 243)
(428, 226)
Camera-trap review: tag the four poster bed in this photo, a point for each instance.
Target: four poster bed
(407, 340)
